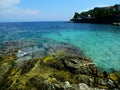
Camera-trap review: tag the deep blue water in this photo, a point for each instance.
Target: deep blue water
(99, 42)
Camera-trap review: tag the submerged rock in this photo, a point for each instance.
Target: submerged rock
(67, 85)
(74, 64)
(62, 67)
(28, 66)
(83, 86)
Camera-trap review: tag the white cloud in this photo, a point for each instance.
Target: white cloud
(10, 11)
(8, 3)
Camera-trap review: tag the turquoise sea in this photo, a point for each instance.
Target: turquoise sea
(98, 41)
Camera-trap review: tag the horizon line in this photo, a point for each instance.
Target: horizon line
(32, 21)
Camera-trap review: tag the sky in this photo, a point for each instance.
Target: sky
(46, 10)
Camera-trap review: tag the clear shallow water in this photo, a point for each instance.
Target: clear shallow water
(99, 42)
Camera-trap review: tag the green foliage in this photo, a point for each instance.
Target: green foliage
(76, 15)
(98, 12)
(101, 12)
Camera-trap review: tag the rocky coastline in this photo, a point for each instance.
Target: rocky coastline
(99, 15)
(60, 67)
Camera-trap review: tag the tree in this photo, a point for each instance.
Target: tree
(76, 15)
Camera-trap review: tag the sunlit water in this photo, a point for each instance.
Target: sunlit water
(99, 42)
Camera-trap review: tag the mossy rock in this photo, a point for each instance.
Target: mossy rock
(5, 85)
(63, 76)
(52, 80)
(103, 87)
(11, 57)
(1, 59)
(37, 83)
(6, 56)
(53, 69)
(48, 58)
(113, 77)
(28, 66)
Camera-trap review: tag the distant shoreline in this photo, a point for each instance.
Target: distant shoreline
(99, 15)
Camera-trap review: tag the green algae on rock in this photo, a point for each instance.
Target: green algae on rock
(63, 69)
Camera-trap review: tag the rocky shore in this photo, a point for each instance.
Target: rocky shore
(99, 15)
(60, 67)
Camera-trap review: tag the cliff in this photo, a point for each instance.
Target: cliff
(103, 15)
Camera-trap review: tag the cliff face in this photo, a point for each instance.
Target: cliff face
(103, 15)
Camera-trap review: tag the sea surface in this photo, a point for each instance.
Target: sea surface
(98, 41)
